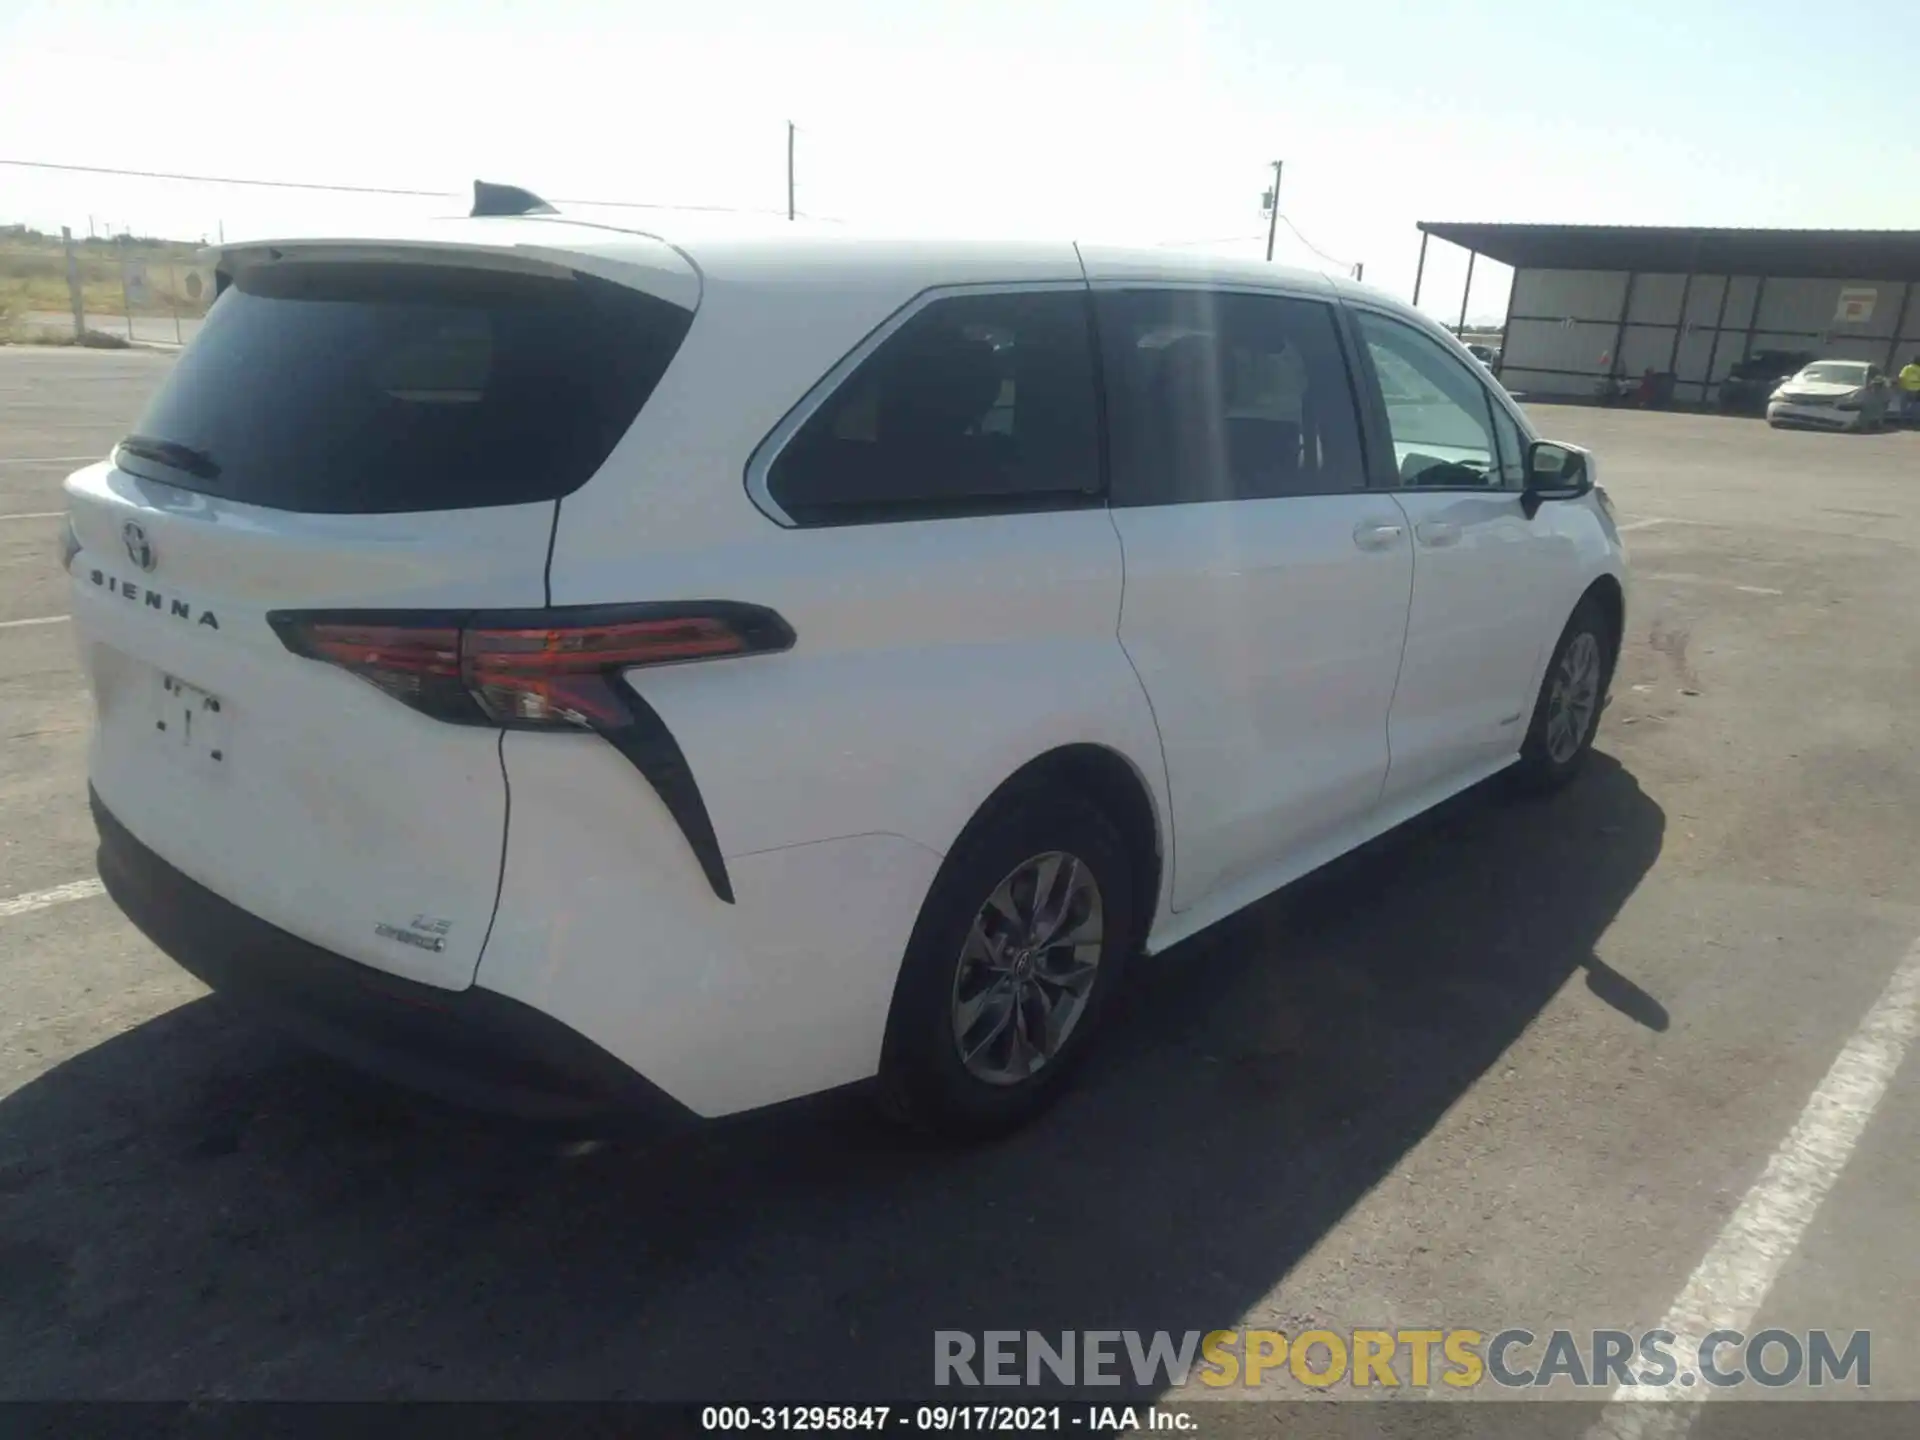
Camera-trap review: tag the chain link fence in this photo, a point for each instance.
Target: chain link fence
(100, 291)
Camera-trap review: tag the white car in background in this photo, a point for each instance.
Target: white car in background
(564, 668)
(1835, 394)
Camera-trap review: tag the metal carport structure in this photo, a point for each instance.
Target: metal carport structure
(1590, 302)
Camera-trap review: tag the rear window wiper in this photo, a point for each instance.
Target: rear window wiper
(173, 454)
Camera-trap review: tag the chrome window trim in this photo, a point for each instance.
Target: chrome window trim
(1288, 289)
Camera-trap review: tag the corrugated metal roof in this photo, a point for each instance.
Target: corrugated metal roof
(1814, 254)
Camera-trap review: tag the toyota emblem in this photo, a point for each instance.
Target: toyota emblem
(139, 548)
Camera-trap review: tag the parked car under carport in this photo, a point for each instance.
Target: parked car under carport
(1833, 395)
(1752, 381)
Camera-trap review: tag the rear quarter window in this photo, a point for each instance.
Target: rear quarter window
(978, 404)
(339, 388)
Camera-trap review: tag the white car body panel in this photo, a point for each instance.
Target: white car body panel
(834, 738)
(1268, 641)
(333, 809)
(837, 776)
(1483, 577)
(536, 246)
(725, 1007)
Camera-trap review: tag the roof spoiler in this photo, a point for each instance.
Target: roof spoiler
(489, 199)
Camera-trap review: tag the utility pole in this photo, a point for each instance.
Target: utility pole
(789, 170)
(1273, 215)
(126, 295)
(73, 284)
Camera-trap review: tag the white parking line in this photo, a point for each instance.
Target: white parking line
(1640, 524)
(47, 459)
(1727, 1289)
(35, 620)
(58, 895)
(34, 515)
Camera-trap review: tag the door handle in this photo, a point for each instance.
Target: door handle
(1437, 532)
(1373, 535)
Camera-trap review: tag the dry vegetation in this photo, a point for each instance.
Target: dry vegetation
(33, 278)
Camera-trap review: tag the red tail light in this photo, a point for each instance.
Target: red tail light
(547, 669)
(558, 674)
(530, 668)
(419, 666)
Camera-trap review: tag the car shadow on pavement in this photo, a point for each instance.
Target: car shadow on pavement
(197, 1208)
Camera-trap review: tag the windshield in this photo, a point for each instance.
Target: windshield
(1836, 372)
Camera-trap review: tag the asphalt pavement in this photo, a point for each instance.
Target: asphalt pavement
(1595, 1061)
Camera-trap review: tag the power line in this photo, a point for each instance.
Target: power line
(228, 180)
(360, 189)
(1343, 264)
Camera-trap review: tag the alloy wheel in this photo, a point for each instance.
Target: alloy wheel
(1573, 698)
(1027, 967)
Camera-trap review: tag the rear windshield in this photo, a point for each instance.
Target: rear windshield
(364, 388)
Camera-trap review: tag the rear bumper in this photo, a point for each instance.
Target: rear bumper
(469, 1047)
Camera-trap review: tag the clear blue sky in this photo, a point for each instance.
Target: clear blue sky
(1125, 119)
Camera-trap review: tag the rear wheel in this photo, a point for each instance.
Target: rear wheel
(1010, 967)
(1567, 712)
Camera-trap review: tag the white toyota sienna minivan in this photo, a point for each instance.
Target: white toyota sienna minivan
(572, 670)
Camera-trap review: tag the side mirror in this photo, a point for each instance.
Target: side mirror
(1554, 472)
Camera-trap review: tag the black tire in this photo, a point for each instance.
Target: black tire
(924, 1079)
(1546, 762)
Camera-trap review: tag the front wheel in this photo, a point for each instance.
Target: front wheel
(1010, 967)
(1567, 712)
